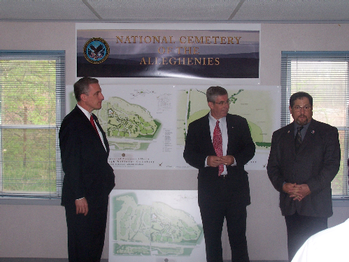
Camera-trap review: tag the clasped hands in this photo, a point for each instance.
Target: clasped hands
(215, 161)
(297, 192)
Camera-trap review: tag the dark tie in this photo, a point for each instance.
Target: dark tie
(93, 124)
(298, 138)
(217, 144)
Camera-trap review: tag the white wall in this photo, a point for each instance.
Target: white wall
(40, 230)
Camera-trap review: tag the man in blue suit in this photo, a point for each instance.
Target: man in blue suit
(223, 188)
(88, 177)
(303, 160)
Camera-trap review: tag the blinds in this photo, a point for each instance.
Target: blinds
(32, 93)
(324, 75)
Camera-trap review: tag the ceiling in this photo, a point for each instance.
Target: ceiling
(239, 11)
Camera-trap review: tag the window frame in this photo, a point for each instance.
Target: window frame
(286, 92)
(38, 197)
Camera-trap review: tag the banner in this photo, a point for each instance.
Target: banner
(168, 53)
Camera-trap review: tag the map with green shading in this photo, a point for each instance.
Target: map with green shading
(152, 230)
(146, 125)
(255, 105)
(127, 125)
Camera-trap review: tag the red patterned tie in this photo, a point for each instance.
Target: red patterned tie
(93, 124)
(217, 144)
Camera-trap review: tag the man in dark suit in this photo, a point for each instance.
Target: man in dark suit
(88, 177)
(303, 160)
(223, 188)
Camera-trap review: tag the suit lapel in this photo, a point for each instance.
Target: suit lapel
(230, 129)
(86, 121)
(103, 133)
(90, 128)
(289, 135)
(206, 136)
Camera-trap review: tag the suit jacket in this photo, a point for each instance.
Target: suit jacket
(84, 161)
(240, 145)
(315, 164)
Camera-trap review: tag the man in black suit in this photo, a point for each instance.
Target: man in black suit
(301, 167)
(223, 188)
(88, 177)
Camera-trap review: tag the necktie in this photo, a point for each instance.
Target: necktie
(298, 138)
(93, 124)
(217, 144)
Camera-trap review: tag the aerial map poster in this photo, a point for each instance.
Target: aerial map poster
(111, 52)
(155, 226)
(146, 125)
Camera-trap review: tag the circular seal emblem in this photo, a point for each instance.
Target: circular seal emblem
(96, 50)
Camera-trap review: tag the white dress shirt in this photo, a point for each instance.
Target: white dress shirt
(329, 245)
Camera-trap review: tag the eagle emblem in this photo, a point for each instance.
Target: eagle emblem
(96, 50)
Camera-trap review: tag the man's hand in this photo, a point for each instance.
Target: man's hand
(228, 160)
(301, 191)
(215, 161)
(81, 206)
(288, 188)
(297, 192)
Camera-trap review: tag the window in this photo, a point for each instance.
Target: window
(324, 75)
(32, 104)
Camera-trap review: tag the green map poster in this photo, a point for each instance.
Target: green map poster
(260, 105)
(155, 226)
(146, 125)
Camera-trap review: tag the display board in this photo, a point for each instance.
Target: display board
(146, 125)
(146, 120)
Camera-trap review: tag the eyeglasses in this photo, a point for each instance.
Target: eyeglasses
(223, 103)
(299, 108)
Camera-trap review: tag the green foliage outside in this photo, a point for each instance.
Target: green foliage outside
(28, 125)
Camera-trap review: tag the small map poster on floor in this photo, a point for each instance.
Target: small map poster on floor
(155, 226)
